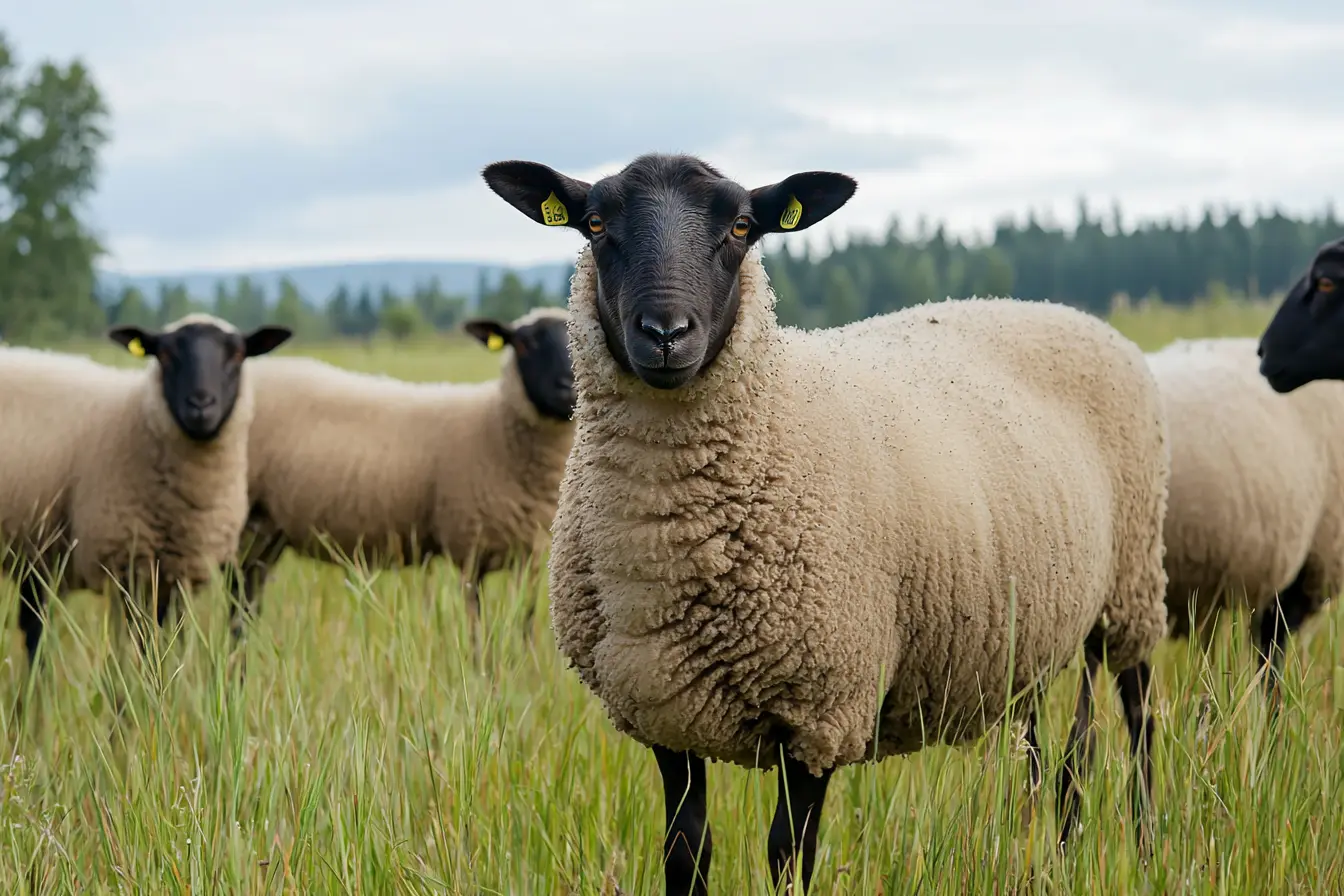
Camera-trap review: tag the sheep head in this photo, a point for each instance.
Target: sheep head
(669, 234)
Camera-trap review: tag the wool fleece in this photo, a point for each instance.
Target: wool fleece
(817, 541)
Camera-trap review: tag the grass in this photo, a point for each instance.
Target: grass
(365, 754)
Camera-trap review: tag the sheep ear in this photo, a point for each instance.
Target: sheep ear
(492, 333)
(265, 339)
(543, 194)
(135, 340)
(800, 200)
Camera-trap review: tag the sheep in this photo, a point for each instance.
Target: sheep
(1253, 509)
(757, 522)
(132, 478)
(401, 471)
(1304, 340)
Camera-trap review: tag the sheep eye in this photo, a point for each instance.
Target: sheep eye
(741, 226)
(595, 225)
(1325, 284)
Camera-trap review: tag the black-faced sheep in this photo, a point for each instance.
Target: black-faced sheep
(764, 534)
(132, 478)
(397, 471)
(1304, 341)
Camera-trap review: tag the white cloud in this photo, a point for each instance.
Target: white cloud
(1161, 106)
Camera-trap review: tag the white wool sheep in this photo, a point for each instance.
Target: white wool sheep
(1256, 481)
(773, 544)
(400, 471)
(136, 478)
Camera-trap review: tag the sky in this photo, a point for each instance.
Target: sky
(265, 133)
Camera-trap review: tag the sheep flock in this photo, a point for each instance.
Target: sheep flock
(780, 549)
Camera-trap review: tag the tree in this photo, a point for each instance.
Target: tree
(340, 312)
(249, 304)
(400, 319)
(365, 321)
(174, 302)
(52, 128)
(133, 309)
(290, 309)
(843, 302)
(510, 299)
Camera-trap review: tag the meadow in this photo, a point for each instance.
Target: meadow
(364, 753)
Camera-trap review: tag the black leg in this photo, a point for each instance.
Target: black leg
(32, 605)
(1134, 690)
(797, 817)
(164, 597)
(248, 579)
(1280, 619)
(1078, 752)
(688, 845)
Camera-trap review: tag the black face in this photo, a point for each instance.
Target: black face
(1305, 339)
(669, 234)
(541, 351)
(201, 365)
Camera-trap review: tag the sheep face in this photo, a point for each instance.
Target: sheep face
(669, 234)
(1305, 339)
(541, 354)
(201, 366)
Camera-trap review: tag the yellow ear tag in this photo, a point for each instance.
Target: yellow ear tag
(553, 212)
(793, 213)
(135, 348)
(494, 342)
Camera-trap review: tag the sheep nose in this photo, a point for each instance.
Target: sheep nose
(666, 330)
(201, 400)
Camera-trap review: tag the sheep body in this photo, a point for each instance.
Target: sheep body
(92, 463)
(1255, 483)
(395, 469)
(826, 522)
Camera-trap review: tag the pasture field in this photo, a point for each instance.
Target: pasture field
(364, 753)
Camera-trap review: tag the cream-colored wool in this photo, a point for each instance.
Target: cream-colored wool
(92, 460)
(749, 556)
(392, 467)
(1255, 482)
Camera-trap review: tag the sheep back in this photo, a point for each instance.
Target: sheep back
(394, 468)
(1255, 481)
(826, 522)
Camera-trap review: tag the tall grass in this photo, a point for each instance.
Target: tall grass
(364, 753)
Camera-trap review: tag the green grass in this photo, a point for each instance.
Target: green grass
(365, 754)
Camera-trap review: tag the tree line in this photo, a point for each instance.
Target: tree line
(347, 313)
(54, 124)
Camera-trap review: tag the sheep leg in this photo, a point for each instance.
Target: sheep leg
(249, 581)
(1281, 618)
(688, 845)
(32, 612)
(797, 816)
(1134, 685)
(1078, 752)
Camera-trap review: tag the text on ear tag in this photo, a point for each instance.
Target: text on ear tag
(793, 213)
(553, 211)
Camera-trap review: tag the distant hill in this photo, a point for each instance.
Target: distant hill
(318, 282)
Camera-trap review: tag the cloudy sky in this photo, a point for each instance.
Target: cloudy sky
(275, 132)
